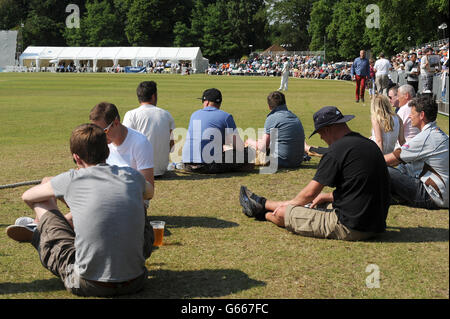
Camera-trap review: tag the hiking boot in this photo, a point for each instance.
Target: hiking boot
(252, 204)
(23, 234)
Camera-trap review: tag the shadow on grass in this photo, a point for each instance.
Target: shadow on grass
(181, 175)
(206, 283)
(187, 222)
(414, 235)
(43, 285)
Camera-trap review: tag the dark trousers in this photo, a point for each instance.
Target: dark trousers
(409, 191)
(415, 85)
(230, 163)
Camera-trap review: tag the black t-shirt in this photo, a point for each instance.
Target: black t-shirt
(355, 166)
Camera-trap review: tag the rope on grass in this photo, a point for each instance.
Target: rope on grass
(20, 184)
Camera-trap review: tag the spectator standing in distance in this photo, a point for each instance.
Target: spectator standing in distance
(382, 67)
(355, 167)
(284, 74)
(426, 71)
(421, 178)
(372, 88)
(412, 70)
(405, 94)
(284, 130)
(155, 123)
(104, 253)
(360, 72)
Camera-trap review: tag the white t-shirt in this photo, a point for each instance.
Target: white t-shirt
(156, 124)
(382, 66)
(423, 69)
(135, 151)
(408, 130)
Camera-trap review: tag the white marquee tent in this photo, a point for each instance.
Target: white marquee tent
(99, 57)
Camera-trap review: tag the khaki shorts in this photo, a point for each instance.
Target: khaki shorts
(382, 82)
(320, 223)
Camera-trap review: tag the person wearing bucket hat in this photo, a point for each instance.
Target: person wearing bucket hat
(355, 167)
(328, 115)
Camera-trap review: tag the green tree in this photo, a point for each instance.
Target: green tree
(151, 22)
(346, 30)
(289, 21)
(12, 13)
(100, 26)
(321, 16)
(417, 20)
(189, 33)
(224, 29)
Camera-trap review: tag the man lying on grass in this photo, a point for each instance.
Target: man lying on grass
(355, 167)
(104, 253)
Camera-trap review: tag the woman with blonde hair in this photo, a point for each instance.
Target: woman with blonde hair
(387, 127)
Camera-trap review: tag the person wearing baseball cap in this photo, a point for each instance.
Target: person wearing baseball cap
(212, 143)
(354, 166)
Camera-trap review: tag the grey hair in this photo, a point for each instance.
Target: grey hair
(407, 88)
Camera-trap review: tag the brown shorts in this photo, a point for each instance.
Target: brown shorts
(54, 240)
(319, 223)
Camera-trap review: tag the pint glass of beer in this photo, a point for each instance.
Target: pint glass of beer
(158, 230)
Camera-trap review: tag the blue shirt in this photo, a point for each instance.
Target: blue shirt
(206, 135)
(360, 67)
(290, 136)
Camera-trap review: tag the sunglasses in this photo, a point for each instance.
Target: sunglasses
(106, 129)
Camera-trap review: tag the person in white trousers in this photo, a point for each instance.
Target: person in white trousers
(284, 75)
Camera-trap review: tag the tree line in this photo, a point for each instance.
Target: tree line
(226, 29)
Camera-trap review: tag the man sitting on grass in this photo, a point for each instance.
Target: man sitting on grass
(284, 129)
(421, 177)
(212, 144)
(104, 253)
(355, 167)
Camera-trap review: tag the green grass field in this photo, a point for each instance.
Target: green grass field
(211, 249)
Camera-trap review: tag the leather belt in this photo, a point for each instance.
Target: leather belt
(430, 182)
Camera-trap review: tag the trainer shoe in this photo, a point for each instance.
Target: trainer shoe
(21, 233)
(252, 204)
(24, 221)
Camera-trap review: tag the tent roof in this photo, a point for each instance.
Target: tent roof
(274, 48)
(87, 53)
(49, 53)
(67, 53)
(128, 53)
(111, 53)
(147, 52)
(108, 53)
